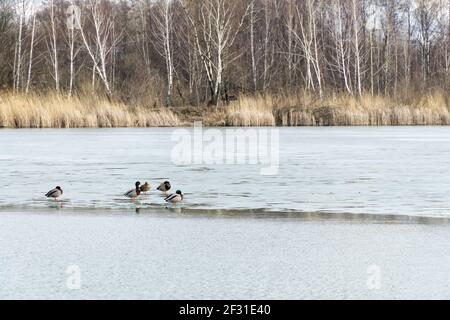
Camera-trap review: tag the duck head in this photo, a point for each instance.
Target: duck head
(138, 188)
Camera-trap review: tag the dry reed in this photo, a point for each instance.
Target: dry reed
(300, 109)
(56, 111)
(305, 109)
(251, 111)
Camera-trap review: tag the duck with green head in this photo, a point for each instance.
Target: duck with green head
(175, 197)
(134, 193)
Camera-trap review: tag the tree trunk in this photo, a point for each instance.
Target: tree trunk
(31, 53)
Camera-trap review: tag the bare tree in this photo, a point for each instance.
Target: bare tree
(425, 14)
(290, 48)
(18, 46)
(101, 42)
(202, 50)
(52, 44)
(356, 31)
(338, 33)
(30, 63)
(267, 40)
(252, 44)
(142, 38)
(307, 37)
(6, 41)
(163, 34)
(73, 25)
(215, 35)
(191, 64)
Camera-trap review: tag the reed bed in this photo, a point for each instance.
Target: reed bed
(251, 111)
(56, 111)
(300, 109)
(305, 109)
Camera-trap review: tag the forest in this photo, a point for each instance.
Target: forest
(84, 63)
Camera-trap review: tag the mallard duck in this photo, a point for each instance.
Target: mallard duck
(146, 187)
(175, 197)
(164, 187)
(134, 193)
(55, 193)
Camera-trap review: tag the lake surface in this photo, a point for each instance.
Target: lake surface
(353, 213)
(172, 256)
(386, 171)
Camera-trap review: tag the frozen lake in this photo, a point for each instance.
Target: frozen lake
(399, 171)
(168, 256)
(353, 213)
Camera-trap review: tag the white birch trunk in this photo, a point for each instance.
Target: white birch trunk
(252, 45)
(30, 63)
(357, 51)
(19, 49)
(54, 46)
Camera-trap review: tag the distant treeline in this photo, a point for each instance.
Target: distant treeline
(192, 52)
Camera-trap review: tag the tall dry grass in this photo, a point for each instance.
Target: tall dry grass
(251, 111)
(56, 111)
(306, 109)
(299, 109)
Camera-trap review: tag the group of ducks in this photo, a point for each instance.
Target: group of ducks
(134, 193)
(163, 187)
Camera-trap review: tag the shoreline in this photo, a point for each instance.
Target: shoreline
(190, 125)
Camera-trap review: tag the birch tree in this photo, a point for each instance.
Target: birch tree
(101, 42)
(163, 34)
(73, 27)
(18, 46)
(307, 37)
(356, 31)
(30, 62)
(252, 44)
(338, 31)
(52, 44)
(290, 50)
(215, 34)
(267, 41)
